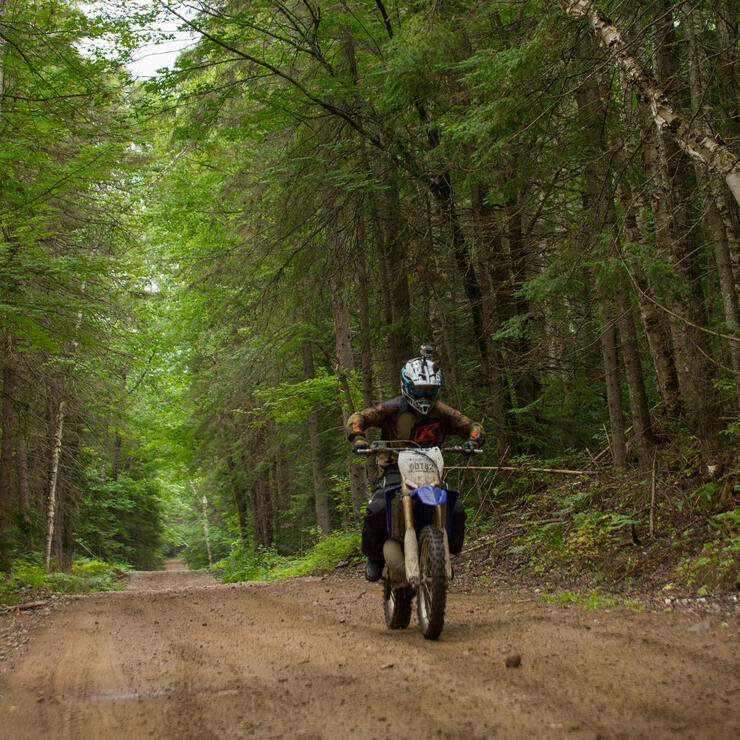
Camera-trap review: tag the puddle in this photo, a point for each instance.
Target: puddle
(151, 694)
(132, 695)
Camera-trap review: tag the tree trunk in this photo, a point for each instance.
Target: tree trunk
(204, 510)
(600, 216)
(259, 499)
(24, 490)
(7, 428)
(320, 488)
(526, 385)
(633, 372)
(116, 455)
(389, 249)
(715, 205)
(240, 496)
(485, 250)
(654, 321)
(104, 457)
(345, 363)
(441, 188)
(690, 366)
(264, 509)
(384, 297)
(608, 337)
(366, 353)
(440, 308)
(398, 287)
(52, 505)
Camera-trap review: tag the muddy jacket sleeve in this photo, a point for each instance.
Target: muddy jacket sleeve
(374, 416)
(463, 426)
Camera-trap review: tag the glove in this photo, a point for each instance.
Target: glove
(470, 446)
(360, 445)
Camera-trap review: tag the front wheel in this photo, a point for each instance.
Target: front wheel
(397, 607)
(432, 593)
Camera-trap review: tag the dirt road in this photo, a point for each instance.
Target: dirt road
(178, 656)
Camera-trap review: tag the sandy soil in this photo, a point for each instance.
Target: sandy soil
(177, 655)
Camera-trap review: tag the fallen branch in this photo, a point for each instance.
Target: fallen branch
(557, 471)
(25, 606)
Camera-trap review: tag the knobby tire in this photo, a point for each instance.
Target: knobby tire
(397, 607)
(432, 593)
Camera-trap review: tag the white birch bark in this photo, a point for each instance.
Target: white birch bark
(56, 452)
(205, 530)
(713, 153)
(51, 510)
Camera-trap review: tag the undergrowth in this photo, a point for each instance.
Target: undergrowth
(674, 528)
(266, 564)
(594, 599)
(28, 579)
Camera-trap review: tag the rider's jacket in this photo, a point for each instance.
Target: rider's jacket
(399, 421)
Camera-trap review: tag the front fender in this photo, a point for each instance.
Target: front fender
(430, 495)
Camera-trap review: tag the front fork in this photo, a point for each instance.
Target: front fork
(410, 543)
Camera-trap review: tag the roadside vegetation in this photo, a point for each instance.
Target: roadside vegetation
(29, 581)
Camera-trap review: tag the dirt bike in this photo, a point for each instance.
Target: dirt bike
(417, 552)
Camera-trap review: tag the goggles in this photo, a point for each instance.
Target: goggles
(430, 392)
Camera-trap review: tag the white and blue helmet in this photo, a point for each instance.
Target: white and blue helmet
(421, 379)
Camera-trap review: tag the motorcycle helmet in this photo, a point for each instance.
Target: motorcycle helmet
(421, 379)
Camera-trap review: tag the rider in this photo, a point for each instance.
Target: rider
(415, 416)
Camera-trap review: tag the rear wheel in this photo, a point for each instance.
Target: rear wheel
(397, 607)
(431, 597)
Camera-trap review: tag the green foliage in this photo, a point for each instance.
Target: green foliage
(718, 563)
(291, 402)
(703, 497)
(581, 537)
(264, 564)
(85, 576)
(122, 521)
(592, 600)
(717, 566)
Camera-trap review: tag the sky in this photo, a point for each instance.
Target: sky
(150, 57)
(155, 56)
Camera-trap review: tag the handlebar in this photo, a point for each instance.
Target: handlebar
(384, 446)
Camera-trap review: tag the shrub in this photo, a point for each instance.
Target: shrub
(266, 564)
(86, 576)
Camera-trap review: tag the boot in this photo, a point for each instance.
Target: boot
(373, 570)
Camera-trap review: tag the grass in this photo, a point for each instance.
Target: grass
(591, 600)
